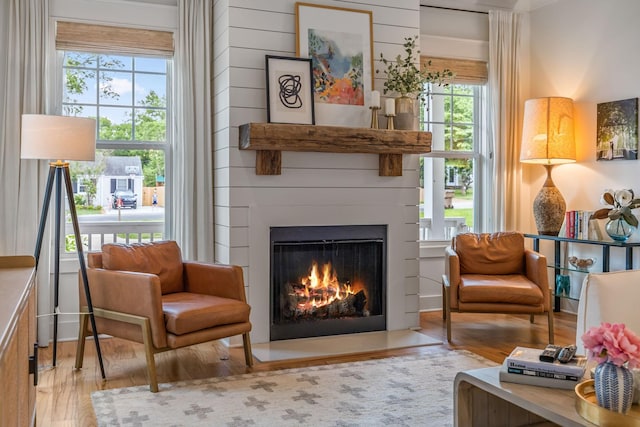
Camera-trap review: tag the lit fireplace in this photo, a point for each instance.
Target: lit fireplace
(327, 280)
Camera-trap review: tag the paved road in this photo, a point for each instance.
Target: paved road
(143, 213)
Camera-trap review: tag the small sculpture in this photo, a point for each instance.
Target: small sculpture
(581, 263)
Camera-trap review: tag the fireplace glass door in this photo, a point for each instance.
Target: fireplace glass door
(327, 280)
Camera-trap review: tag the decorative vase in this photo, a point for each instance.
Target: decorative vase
(614, 387)
(619, 229)
(405, 113)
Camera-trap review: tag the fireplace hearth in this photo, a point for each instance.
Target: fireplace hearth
(327, 280)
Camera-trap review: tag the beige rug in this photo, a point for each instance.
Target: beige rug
(398, 391)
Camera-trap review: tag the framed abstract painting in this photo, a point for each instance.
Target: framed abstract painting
(289, 90)
(339, 42)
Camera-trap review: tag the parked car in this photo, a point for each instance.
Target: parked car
(125, 199)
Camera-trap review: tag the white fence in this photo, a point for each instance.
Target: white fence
(95, 234)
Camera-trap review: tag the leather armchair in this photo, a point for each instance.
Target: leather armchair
(495, 273)
(145, 292)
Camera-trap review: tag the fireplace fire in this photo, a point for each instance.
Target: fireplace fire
(321, 295)
(327, 280)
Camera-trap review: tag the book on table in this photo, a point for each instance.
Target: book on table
(526, 361)
(540, 381)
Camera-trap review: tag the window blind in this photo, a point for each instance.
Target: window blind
(110, 39)
(466, 71)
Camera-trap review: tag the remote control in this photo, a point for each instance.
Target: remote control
(550, 353)
(566, 354)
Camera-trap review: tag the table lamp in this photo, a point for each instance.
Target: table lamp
(60, 138)
(548, 139)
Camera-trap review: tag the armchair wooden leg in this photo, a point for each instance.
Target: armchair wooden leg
(446, 311)
(82, 335)
(149, 353)
(248, 356)
(531, 318)
(551, 334)
(444, 302)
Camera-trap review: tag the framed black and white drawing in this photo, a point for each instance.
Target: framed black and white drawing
(289, 90)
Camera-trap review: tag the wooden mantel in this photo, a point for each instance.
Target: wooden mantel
(270, 139)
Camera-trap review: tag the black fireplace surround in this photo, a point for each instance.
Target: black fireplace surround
(327, 280)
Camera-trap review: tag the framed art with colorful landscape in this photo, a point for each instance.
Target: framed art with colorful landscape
(339, 42)
(289, 90)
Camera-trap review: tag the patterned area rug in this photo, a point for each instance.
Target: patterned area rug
(397, 391)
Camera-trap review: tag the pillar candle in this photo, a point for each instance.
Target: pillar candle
(390, 107)
(375, 99)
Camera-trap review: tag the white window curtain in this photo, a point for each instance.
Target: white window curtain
(191, 217)
(23, 36)
(504, 107)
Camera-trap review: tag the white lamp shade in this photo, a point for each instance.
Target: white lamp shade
(58, 137)
(547, 131)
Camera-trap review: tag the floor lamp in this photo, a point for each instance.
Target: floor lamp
(68, 138)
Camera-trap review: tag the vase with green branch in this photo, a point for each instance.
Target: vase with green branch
(406, 79)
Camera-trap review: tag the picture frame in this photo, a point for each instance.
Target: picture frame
(339, 42)
(617, 130)
(289, 90)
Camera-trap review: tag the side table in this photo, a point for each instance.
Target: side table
(480, 399)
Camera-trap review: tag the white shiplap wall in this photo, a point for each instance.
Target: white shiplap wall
(314, 188)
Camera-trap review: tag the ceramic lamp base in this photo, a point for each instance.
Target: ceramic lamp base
(549, 208)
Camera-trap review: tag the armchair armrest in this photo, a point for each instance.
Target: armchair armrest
(536, 271)
(451, 278)
(130, 293)
(214, 279)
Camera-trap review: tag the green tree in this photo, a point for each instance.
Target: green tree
(151, 122)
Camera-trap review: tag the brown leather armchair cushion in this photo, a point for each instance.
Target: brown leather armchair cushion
(508, 289)
(163, 259)
(496, 253)
(186, 312)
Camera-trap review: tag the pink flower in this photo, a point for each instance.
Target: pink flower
(612, 343)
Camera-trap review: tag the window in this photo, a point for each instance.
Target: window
(450, 182)
(127, 95)
(121, 77)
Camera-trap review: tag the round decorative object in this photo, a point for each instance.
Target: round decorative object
(619, 229)
(405, 113)
(614, 387)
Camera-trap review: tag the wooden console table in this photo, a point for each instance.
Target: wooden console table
(480, 399)
(270, 139)
(18, 348)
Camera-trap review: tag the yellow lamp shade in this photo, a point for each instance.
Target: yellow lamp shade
(547, 131)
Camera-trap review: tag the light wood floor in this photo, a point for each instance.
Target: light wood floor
(64, 394)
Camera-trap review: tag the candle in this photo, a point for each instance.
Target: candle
(375, 99)
(390, 107)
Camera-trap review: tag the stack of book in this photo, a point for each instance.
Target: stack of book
(523, 366)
